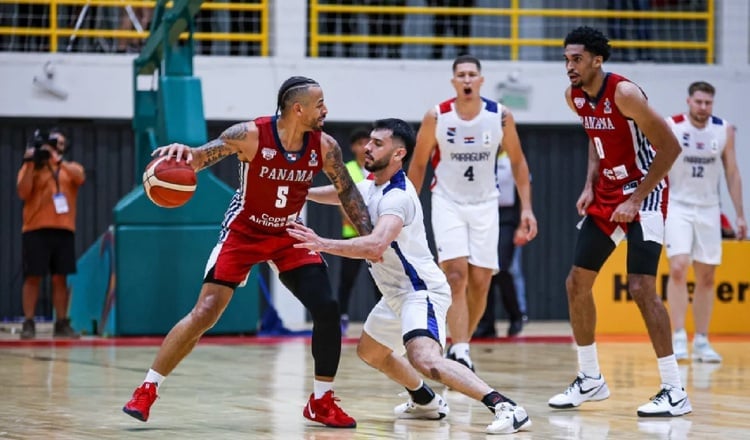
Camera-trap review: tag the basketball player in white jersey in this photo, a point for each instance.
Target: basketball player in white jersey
(462, 137)
(693, 230)
(410, 317)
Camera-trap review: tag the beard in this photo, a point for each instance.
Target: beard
(699, 118)
(377, 165)
(316, 124)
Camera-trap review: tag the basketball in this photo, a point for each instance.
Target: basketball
(169, 183)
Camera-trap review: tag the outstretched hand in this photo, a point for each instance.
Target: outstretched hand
(307, 238)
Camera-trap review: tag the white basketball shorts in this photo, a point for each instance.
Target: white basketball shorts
(420, 313)
(466, 231)
(693, 230)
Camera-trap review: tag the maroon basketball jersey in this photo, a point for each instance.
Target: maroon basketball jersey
(273, 186)
(624, 151)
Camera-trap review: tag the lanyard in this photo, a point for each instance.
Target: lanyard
(56, 175)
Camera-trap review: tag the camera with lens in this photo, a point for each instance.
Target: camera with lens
(41, 138)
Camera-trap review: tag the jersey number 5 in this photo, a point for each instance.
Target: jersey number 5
(469, 174)
(281, 193)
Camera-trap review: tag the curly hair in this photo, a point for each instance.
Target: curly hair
(593, 41)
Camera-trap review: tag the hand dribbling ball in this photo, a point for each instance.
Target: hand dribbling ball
(168, 183)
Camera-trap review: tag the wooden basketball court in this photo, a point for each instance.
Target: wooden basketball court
(255, 388)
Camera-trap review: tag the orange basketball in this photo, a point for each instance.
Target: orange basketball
(169, 183)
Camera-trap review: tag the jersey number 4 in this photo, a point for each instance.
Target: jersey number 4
(469, 174)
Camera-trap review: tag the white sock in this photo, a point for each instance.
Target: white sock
(154, 377)
(421, 382)
(670, 371)
(461, 350)
(588, 360)
(320, 388)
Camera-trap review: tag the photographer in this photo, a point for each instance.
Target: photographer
(48, 186)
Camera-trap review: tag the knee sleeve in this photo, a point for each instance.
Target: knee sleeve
(311, 285)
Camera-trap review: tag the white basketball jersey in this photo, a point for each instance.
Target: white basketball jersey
(464, 161)
(408, 264)
(694, 177)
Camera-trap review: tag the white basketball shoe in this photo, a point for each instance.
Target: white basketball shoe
(509, 418)
(680, 344)
(668, 402)
(582, 389)
(703, 352)
(436, 409)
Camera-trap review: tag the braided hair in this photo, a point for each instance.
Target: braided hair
(291, 89)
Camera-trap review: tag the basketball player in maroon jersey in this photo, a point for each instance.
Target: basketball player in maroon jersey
(279, 155)
(631, 149)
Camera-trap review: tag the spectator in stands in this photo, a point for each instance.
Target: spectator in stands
(328, 24)
(48, 186)
(385, 25)
(127, 23)
(641, 29)
(458, 24)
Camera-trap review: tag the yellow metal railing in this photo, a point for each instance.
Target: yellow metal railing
(514, 13)
(54, 32)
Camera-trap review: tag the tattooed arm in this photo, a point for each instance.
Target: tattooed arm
(351, 199)
(240, 139)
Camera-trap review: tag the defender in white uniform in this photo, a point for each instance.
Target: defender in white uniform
(461, 138)
(410, 317)
(693, 228)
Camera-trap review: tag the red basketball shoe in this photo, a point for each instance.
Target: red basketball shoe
(140, 404)
(326, 411)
